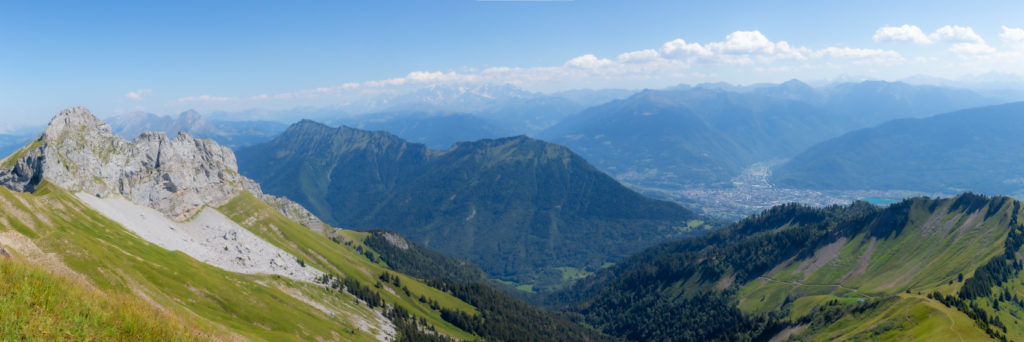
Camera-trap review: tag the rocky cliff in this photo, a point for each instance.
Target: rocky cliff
(175, 176)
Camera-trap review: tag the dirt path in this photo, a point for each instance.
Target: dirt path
(796, 283)
(952, 322)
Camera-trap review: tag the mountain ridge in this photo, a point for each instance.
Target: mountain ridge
(815, 270)
(704, 136)
(241, 269)
(934, 154)
(231, 134)
(460, 200)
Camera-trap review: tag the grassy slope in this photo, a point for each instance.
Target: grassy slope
(936, 245)
(884, 261)
(38, 305)
(119, 262)
(341, 259)
(932, 249)
(906, 317)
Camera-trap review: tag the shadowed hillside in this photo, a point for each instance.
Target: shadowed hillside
(523, 209)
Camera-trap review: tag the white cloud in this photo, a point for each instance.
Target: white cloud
(1013, 37)
(588, 61)
(740, 47)
(963, 38)
(741, 54)
(744, 42)
(957, 34)
(138, 94)
(680, 48)
(642, 56)
(972, 48)
(905, 33)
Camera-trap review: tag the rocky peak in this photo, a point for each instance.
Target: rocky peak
(176, 176)
(76, 119)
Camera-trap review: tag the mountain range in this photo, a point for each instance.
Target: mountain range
(161, 239)
(705, 135)
(232, 134)
(970, 150)
(525, 210)
(436, 130)
(514, 109)
(164, 237)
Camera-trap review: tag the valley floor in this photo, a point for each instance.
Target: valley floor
(751, 193)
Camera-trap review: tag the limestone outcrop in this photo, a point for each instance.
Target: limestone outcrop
(176, 176)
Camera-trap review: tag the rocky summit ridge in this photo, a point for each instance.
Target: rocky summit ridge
(176, 176)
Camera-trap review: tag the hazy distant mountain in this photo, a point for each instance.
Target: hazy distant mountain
(692, 136)
(228, 133)
(513, 109)
(593, 96)
(11, 142)
(469, 98)
(977, 149)
(523, 209)
(1003, 86)
(705, 135)
(873, 102)
(437, 131)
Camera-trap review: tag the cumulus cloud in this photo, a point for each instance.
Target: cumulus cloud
(642, 56)
(740, 52)
(588, 61)
(138, 94)
(905, 33)
(680, 48)
(1013, 37)
(963, 38)
(957, 34)
(744, 42)
(740, 47)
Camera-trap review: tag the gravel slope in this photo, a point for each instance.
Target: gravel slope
(209, 237)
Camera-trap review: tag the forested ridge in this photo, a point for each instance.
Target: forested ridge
(695, 288)
(524, 210)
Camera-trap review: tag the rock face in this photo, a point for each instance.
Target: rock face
(175, 176)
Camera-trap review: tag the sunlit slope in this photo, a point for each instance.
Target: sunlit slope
(229, 305)
(39, 305)
(921, 269)
(874, 283)
(915, 245)
(342, 258)
(906, 317)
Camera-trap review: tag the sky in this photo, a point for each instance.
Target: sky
(167, 57)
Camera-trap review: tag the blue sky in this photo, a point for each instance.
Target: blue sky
(166, 57)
